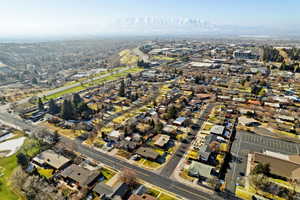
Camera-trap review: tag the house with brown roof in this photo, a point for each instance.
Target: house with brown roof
(203, 96)
(147, 153)
(80, 176)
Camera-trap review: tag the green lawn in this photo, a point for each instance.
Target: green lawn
(93, 83)
(153, 192)
(151, 164)
(166, 197)
(61, 93)
(7, 166)
(31, 147)
(107, 173)
(47, 173)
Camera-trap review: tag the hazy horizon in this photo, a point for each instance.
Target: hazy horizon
(55, 18)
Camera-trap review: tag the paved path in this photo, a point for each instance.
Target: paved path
(178, 155)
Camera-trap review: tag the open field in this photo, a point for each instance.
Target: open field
(9, 164)
(93, 83)
(70, 133)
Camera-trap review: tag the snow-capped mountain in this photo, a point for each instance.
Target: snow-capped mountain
(162, 25)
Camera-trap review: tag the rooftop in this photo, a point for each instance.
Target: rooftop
(217, 129)
(51, 158)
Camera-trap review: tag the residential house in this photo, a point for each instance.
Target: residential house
(201, 170)
(50, 159)
(161, 140)
(148, 153)
(115, 135)
(180, 121)
(169, 129)
(105, 191)
(217, 130)
(81, 177)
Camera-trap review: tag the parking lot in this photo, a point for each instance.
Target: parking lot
(260, 143)
(245, 143)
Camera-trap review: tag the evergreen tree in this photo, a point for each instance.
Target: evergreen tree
(122, 89)
(53, 108)
(172, 112)
(77, 99)
(67, 111)
(40, 105)
(22, 160)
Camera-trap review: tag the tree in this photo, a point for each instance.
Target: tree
(67, 111)
(261, 169)
(53, 108)
(154, 103)
(40, 105)
(172, 112)
(256, 89)
(122, 89)
(22, 160)
(158, 127)
(128, 176)
(129, 76)
(77, 99)
(84, 110)
(34, 81)
(18, 178)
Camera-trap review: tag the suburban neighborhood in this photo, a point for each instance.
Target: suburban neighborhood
(169, 120)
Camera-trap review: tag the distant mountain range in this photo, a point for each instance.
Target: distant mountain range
(151, 26)
(188, 26)
(161, 25)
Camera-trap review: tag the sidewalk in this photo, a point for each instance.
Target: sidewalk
(177, 177)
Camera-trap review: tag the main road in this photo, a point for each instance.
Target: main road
(163, 182)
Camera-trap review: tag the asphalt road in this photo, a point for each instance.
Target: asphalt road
(148, 176)
(168, 169)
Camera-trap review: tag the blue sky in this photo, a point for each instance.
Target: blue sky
(55, 16)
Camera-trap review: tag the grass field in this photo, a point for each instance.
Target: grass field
(92, 83)
(70, 133)
(163, 58)
(61, 93)
(9, 164)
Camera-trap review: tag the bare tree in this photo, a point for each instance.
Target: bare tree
(19, 177)
(128, 176)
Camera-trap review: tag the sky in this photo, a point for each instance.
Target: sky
(41, 17)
